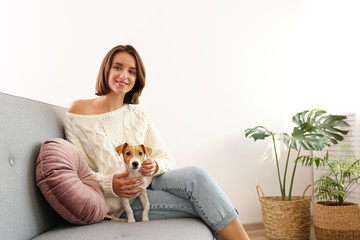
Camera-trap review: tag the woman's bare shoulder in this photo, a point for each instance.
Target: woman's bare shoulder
(82, 107)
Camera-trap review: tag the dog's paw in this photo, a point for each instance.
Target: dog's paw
(131, 220)
(145, 217)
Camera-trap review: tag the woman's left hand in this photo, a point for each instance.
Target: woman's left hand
(150, 167)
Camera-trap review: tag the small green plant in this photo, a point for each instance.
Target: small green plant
(341, 179)
(313, 131)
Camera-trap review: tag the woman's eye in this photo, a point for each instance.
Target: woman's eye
(117, 68)
(132, 72)
(128, 153)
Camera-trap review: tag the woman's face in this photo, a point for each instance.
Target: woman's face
(122, 74)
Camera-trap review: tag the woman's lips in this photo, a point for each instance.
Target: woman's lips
(122, 83)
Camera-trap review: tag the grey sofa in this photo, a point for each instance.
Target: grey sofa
(24, 213)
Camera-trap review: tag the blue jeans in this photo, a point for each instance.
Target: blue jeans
(187, 192)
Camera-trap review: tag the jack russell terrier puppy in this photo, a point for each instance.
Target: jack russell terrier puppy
(134, 156)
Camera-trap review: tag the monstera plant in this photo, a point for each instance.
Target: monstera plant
(314, 130)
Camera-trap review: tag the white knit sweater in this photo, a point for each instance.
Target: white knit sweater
(96, 137)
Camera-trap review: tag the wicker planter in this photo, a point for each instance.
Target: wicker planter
(336, 222)
(286, 220)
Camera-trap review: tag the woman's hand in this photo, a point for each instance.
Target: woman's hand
(149, 167)
(124, 187)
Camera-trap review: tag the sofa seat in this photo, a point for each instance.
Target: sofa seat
(174, 229)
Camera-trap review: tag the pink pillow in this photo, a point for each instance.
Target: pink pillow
(68, 184)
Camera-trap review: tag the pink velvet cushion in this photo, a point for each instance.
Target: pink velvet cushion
(67, 183)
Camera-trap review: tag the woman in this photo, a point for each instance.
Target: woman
(97, 126)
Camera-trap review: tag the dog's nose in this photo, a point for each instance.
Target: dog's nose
(135, 164)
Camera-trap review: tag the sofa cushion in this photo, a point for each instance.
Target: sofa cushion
(174, 229)
(68, 184)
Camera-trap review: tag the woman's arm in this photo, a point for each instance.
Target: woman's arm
(161, 159)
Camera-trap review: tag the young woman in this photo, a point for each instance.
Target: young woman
(96, 126)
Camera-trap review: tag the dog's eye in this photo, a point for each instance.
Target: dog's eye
(140, 153)
(128, 153)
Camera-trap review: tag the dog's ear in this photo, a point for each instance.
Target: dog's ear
(120, 148)
(146, 150)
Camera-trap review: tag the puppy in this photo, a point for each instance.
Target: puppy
(134, 156)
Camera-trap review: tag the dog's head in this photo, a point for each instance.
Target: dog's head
(134, 155)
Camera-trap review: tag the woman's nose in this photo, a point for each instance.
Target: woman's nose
(123, 75)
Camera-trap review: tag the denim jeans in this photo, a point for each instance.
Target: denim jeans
(187, 192)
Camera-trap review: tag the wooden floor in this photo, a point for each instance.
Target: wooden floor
(256, 231)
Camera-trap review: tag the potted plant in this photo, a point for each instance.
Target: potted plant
(333, 217)
(315, 129)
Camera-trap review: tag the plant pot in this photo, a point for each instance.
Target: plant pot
(286, 220)
(336, 222)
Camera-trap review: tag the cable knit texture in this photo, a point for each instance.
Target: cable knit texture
(96, 137)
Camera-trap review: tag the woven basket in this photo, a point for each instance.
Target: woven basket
(286, 220)
(336, 222)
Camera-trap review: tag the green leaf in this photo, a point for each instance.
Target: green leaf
(342, 177)
(257, 133)
(315, 130)
(286, 139)
(308, 161)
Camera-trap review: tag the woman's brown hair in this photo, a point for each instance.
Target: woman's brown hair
(102, 84)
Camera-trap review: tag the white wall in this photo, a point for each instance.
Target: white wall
(214, 68)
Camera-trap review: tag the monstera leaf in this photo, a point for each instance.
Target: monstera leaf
(258, 133)
(314, 129)
(308, 140)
